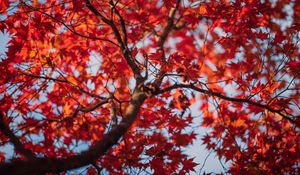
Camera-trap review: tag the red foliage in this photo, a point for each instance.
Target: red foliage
(120, 77)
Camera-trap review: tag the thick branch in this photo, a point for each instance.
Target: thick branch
(57, 165)
(162, 38)
(113, 112)
(14, 139)
(123, 45)
(161, 41)
(93, 107)
(80, 109)
(122, 21)
(232, 99)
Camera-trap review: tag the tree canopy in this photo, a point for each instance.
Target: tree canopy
(108, 85)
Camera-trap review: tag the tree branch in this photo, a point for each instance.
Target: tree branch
(68, 27)
(162, 38)
(93, 107)
(15, 140)
(113, 112)
(123, 45)
(219, 95)
(64, 80)
(122, 21)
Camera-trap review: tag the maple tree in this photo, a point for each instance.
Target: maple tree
(120, 76)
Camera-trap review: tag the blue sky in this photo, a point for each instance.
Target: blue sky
(4, 38)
